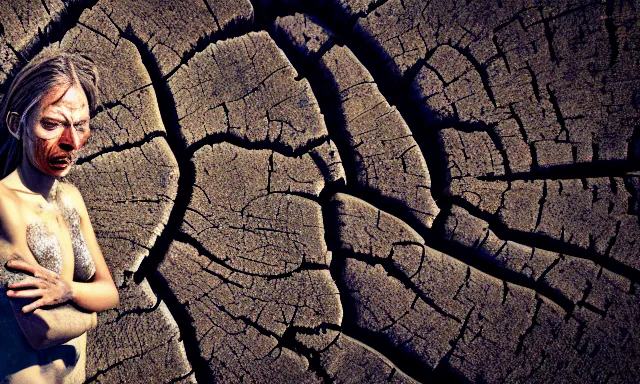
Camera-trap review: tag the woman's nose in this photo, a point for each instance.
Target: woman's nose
(70, 139)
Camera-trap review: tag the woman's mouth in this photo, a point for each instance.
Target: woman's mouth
(60, 162)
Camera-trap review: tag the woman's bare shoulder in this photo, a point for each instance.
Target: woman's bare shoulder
(10, 203)
(70, 196)
(10, 220)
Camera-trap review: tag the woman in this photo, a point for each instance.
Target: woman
(53, 275)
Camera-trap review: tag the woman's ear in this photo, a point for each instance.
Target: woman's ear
(13, 124)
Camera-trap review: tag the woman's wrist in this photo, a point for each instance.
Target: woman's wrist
(73, 291)
(94, 296)
(93, 321)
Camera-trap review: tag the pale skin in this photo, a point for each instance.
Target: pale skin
(50, 308)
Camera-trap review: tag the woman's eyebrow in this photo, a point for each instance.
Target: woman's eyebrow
(63, 120)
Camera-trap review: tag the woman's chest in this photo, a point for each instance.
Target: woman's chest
(55, 239)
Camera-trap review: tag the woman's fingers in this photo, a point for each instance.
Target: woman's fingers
(29, 282)
(27, 294)
(35, 305)
(22, 266)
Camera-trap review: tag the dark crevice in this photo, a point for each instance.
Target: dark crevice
(548, 33)
(596, 169)
(485, 264)
(202, 250)
(280, 148)
(135, 311)
(10, 75)
(288, 340)
(497, 142)
(409, 76)
(325, 169)
(181, 379)
(633, 149)
(460, 335)
(500, 52)
(213, 14)
(183, 319)
(543, 242)
(480, 69)
(543, 199)
(611, 31)
(534, 84)
(559, 117)
(521, 338)
(235, 28)
(372, 7)
(632, 185)
(394, 272)
(46, 8)
(549, 267)
(97, 32)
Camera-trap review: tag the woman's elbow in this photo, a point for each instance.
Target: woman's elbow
(116, 301)
(113, 298)
(110, 297)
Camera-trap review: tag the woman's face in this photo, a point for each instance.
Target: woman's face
(57, 130)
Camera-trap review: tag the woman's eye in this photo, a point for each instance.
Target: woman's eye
(49, 125)
(82, 127)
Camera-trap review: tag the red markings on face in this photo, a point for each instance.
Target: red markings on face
(47, 157)
(53, 136)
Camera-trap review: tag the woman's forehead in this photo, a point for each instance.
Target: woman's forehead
(65, 100)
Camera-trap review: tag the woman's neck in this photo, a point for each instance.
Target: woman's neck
(34, 180)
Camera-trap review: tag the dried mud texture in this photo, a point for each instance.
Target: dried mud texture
(248, 326)
(171, 30)
(358, 190)
(136, 341)
(245, 87)
(249, 210)
(20, 23)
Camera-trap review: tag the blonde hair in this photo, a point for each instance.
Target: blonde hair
(51, 68)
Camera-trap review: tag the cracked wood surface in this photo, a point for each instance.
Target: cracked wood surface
(358, 190)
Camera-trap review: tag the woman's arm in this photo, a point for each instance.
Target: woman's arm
(101, 293)
(46, 328)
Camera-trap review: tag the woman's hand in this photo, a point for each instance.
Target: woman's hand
(45, 284)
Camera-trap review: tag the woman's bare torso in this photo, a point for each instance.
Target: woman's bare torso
(52, 233)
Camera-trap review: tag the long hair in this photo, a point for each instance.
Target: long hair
(50, 69)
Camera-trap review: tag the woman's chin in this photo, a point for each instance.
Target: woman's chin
(59, 170)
